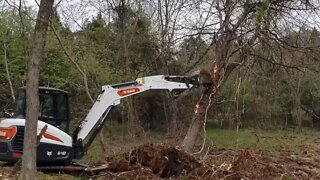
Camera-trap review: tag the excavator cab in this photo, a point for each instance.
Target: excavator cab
(55, 145)
(53, 109)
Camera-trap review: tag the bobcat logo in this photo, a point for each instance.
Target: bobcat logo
(49, 153)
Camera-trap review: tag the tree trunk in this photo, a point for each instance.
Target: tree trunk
(296, 111)
(135, 125)
(29, 168)
(197, 121)
(7, 70)
(219, 73)
(103, 143)
(174, 110)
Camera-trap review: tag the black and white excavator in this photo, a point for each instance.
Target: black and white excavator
(55, 145)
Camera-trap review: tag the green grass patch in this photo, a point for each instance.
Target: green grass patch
(94, 154)
(229, 138)
(44, 176)
(264, 140)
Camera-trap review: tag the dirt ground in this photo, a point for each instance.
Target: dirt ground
(6, 173)
(164, 161)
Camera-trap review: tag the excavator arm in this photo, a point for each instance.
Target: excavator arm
(110, 97)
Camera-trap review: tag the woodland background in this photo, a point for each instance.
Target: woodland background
(277, 87)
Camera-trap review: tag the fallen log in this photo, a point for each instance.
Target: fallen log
(75, 168)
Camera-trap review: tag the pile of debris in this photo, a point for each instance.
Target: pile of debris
(169, 162)
(152, 161)
(165, 161)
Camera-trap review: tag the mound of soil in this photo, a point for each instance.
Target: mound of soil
(153, 161)
(165, 161)
(168, 162)
(249, 165)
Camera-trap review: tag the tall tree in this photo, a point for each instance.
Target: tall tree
(29, 168)
(241, 26)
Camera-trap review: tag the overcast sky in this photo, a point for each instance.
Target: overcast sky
(72, 12)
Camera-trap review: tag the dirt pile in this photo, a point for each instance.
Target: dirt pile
(150, 161)
(169, 162)
(250, 165)
(165, 161)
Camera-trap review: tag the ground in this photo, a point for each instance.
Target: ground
(246, 154)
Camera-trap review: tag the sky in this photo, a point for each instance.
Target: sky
(73, 13)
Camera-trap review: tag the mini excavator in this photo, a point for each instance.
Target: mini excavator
(56, 146)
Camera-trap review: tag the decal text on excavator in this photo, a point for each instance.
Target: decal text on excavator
(128, 91)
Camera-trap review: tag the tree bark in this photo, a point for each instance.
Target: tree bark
(174, 111)
(197, 120)
(103, 143)
(218, 76)
(134, 124)
(29, 169)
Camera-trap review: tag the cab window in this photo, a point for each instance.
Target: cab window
(53, 107)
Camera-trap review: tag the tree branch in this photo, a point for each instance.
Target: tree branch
(84, 76)
(276, 63)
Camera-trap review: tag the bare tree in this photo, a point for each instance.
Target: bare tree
(36, 55)
(167, 15)
(242, 27)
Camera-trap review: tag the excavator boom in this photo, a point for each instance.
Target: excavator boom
(112, 94)
(55, 145)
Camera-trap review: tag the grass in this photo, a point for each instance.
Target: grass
(264, 140)
(44, 176)
(118, 142)
(230, 139)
